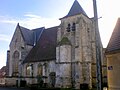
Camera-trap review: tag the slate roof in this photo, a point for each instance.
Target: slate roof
(30, 36)
(114, 43)
(27, 35)
(75, 9)
(45, 49)
(37, 33)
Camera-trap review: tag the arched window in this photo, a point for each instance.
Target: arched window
(15, 63)
(68, 27)
(73, 27)
(16, 55)
(40, 70)
(29, 70)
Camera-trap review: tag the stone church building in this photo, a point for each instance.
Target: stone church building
(63, 56)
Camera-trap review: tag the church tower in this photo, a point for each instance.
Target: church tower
(74, 52)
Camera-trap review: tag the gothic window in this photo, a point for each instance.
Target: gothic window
(73, 27)
(40, 70)
(15, 62)
(16, 55)
(45, 68)
(29, 70)
(68, 28)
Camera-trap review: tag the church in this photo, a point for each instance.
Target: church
(63, 56)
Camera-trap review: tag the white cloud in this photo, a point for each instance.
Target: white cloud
(31, 21)
(4, 37)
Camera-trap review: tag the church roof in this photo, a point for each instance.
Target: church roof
(75, 9)
(31, 36)
(27, 35)
(114, 43)
(45, 49)
(37, 33)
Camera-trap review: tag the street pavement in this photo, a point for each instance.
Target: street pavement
(12, 88)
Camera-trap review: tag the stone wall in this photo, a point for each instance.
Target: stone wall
(11, 81)
(113, 73)
(83, 52)
(2, 81)
(47, 68)
(17, 45)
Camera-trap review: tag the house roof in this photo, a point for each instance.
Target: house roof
(114, 43)
(75, 9)
(45, 49)
(30, 36)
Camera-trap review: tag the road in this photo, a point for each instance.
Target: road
(9, 88)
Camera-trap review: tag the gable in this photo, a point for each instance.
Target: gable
(17, 37)
(28, 37)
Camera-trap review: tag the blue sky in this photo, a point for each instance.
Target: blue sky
(37, 13)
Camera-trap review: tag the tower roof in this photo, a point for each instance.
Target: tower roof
(114, 43)
(75, 9)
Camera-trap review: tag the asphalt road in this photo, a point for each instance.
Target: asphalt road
(10, 88)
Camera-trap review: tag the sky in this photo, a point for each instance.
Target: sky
(38, 13)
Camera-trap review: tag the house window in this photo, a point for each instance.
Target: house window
(73, 27)
(68, 28)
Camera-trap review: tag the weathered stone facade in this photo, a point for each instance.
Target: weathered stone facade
(80, 53)
(18, 51)
(75, 53)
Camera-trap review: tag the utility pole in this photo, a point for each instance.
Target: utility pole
(98, 48)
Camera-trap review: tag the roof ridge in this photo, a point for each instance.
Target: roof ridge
(24, 28)
(52, 27)
(38, 28)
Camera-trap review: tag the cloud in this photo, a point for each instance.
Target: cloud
(31, 21)
(4, 37)
(7, 19)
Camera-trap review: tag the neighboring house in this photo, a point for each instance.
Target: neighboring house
(113, 59)
(63, 56)
(2, 76)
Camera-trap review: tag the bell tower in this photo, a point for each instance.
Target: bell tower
(73, 52)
